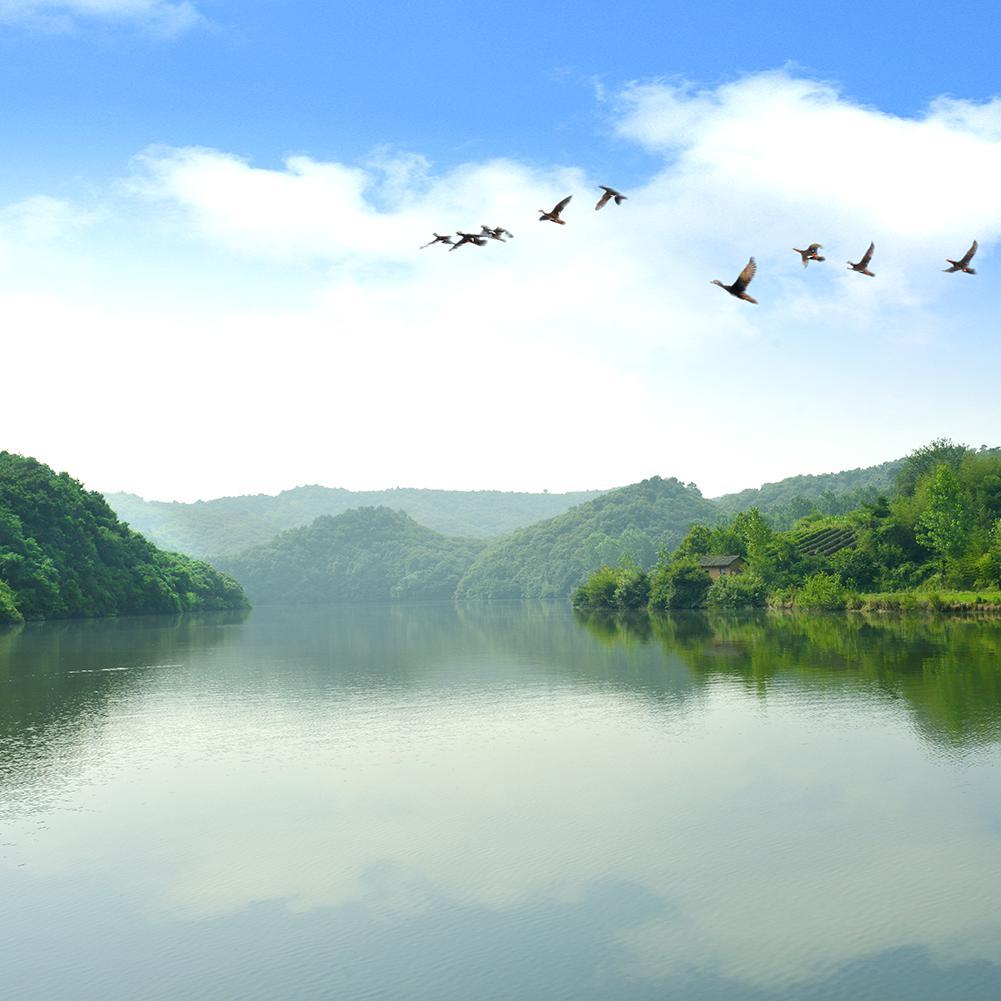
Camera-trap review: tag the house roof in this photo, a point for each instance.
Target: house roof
(718, 561)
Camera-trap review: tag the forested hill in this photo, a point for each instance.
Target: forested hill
(549, 559)
(228, 525)
(63, 553)
(827, 493)
(368, 554)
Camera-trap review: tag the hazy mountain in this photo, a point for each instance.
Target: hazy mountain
(64, 553)
(231, 524)
(367, 554)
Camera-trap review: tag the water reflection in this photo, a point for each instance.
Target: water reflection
(947, 670)
(492, 801)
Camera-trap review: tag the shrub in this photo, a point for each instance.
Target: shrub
(822, 590)
(742, 590)
(598, 591)
(8, 605)
(633, 588)
(679, 585)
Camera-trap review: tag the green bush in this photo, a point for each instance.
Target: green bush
(823, 590)
(742, 590)
(633, 588)
(598, 591)
(678, 585)
(8, 605)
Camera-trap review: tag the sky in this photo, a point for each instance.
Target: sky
(210, 215)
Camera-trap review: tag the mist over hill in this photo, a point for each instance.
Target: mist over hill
(229, 525)
(366, 554)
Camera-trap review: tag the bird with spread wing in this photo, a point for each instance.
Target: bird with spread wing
(739, 287)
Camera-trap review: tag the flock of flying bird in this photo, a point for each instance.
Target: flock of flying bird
(737, 289)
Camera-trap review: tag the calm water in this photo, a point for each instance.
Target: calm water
(500, 802)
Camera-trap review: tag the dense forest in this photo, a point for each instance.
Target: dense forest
(795, 497)
(939, 532)
(549, 559)
(64, 553)
(369, 554)
(229, 525)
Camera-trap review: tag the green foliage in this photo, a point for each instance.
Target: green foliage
(9, 612)
(550, 559)
(64, 553)
(372, 554)
(946, 523)
(824, 591)
(740, 590)
(924, 460)
(624, 587)
(796, 497)
(679, 584)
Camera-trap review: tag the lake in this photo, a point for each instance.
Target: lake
(500, 802)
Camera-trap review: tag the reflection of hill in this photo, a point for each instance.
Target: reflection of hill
(442, 646)
(59, 678)
(948, 671)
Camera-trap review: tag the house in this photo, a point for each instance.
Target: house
(719, 566)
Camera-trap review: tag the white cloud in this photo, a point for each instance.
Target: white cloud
(162, 17)
(586, 355)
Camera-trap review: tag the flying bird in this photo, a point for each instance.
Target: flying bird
(496, 233)
(863, 266)
(964, 264)
(608, 195)
(554, 216)
(438, 238)
(480, 241)
(738, 288)
(810, 254)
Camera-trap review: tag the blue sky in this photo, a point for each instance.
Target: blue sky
(229, 196)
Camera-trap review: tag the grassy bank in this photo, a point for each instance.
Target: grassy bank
(933, 601)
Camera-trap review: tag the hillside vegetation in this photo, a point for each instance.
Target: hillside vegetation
(228, 525)
(549, 559)
(63, 552)
(796, 497)
(369, 554)
(939, 534)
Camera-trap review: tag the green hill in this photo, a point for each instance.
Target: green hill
(549, 559)
(827, 493)
(368, 554)
(64, 553)
(229, 525)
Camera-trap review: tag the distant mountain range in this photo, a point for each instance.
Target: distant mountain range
(224, 527)
(319, 544)
(216, 528)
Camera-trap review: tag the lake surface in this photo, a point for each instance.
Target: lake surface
(500, 802)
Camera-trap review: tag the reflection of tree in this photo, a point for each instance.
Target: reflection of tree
(59, 677)
(947, 670)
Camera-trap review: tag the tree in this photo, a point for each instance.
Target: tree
(927, 458)
(946, 523)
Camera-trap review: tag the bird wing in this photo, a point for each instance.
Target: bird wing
(969, 255)
(744, 278)
(813, 248)
(603, 200)
(864, 263)
(560, 206)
